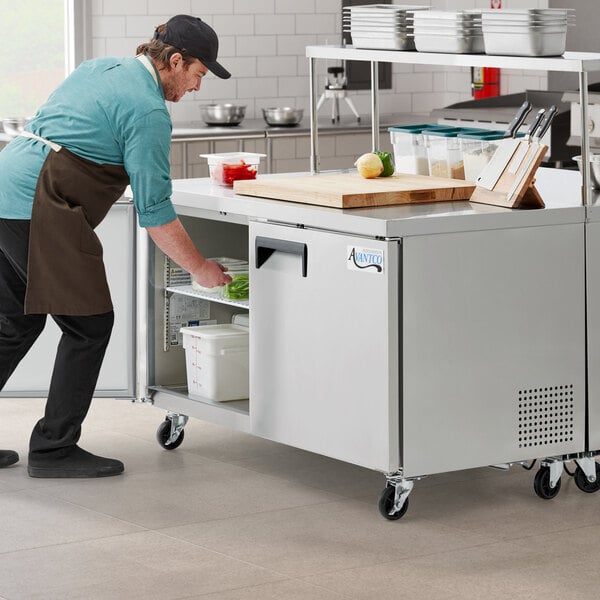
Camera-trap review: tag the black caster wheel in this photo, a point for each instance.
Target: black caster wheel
(164, 432)
(541, 484)
(581, 481)
(386, 503)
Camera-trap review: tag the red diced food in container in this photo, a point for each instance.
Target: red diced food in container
(230, 172)
(232, 166)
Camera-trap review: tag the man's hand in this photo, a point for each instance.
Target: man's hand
(211, 274)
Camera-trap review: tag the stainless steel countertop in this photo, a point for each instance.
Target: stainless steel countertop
(560, 189)
(258, 127)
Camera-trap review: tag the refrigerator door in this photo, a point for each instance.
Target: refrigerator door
(324, 343)
(117, 377)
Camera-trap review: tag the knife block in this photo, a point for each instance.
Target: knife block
(516, 189)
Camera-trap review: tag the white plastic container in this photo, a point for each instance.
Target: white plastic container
(216, 359)
(228, 167)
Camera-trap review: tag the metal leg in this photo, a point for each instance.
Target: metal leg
(321, 100)
(352, 108)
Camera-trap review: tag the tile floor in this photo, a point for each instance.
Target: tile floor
(231, 517)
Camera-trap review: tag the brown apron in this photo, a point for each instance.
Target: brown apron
(66, 274)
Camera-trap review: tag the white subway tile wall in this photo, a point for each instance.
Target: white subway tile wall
(262, 42)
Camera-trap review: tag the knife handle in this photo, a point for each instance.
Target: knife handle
(545, 124)
(536, 121)
(514, 125)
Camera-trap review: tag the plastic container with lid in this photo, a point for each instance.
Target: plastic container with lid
(444, 153)
(478, 149)
(217, 364)
(410, 150)
(228, 167)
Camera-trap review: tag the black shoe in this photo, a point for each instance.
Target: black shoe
(72, 463)
(8, 457)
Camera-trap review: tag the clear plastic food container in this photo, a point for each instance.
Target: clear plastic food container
(228, 167)
(239, 287)
(477, 149)
(410, 149)
(444, 154)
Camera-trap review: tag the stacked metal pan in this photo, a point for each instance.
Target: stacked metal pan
(381, 26)
(456, 32)
(526, 32)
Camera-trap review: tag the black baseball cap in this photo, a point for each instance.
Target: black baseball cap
(196, 37)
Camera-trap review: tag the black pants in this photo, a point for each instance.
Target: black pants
(80, 350)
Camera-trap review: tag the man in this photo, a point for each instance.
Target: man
(104, 127)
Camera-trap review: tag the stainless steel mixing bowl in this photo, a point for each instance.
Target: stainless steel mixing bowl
(594, 169)
(222, 114)
(13, 125)
(285, 116)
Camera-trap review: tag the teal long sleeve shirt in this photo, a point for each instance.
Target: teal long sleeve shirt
(109, 111)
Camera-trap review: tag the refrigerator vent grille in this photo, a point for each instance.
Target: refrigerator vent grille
(545, 416)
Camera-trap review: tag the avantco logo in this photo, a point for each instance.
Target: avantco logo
(365, 259)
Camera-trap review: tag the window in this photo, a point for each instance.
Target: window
(43, 41)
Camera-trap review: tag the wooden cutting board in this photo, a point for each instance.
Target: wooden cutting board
(350, 190)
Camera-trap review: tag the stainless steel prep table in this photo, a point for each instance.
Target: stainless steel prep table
(468, 349)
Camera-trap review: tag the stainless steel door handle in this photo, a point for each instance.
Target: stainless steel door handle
(266, 246)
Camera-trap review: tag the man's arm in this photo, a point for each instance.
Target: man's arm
(175, 242)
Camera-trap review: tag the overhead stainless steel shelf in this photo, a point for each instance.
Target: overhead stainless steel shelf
(574, 62)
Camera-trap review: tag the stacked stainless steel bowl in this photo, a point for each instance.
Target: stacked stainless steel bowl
(13, 126)
(526, 32)
(594, 169)
(222, 114)
(285, 116)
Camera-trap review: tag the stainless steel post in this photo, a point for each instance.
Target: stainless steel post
(585, 138)
(314, 128)
(184, 160)
(375, 104)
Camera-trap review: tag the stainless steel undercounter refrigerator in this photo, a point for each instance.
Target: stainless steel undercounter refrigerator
(410, 340)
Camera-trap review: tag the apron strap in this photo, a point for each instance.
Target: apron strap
(146, 62)
(28, 134)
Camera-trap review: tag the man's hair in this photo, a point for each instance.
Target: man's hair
(160, 52)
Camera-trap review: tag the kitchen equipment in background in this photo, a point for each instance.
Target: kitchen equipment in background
(381, 26)
(526, 32)
(350, 190)
(336, 89)
(455, 32)
(13, 126)
(222, 114)
(594, 169)
(227, 167)
(282, 117)
(574, 100)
